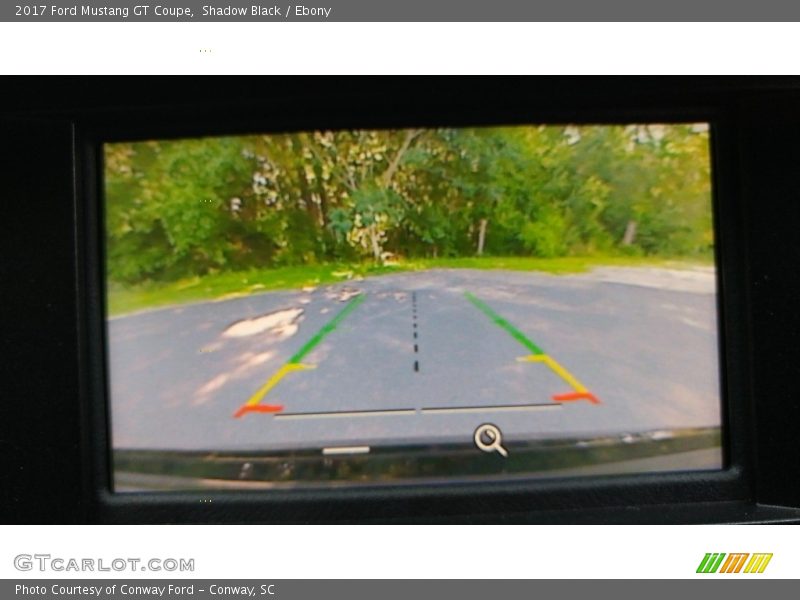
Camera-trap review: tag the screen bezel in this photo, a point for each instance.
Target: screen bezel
(414, 500)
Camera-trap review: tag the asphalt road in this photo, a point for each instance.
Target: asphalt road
(642, 341)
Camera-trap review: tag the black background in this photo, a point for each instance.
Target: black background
(52, 458)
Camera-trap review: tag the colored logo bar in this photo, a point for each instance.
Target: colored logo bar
(734, 563)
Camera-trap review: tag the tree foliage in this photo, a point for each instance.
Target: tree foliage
(190, 207)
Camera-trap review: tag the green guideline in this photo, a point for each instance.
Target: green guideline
(326, 329)
(501, 322)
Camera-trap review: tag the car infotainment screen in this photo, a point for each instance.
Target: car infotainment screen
(373, 307)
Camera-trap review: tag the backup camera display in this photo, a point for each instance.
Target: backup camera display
(389, 306)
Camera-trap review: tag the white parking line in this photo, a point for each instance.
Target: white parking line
(476, 409)
(337, 415)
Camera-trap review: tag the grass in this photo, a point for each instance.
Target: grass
(220, 286)
(556, 266)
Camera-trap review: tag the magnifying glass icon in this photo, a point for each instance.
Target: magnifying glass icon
(489, 439)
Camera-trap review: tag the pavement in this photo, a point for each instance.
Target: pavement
(418, 358)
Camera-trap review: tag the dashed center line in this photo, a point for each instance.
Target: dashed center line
(414, 328)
